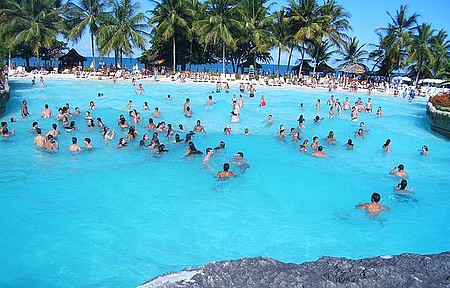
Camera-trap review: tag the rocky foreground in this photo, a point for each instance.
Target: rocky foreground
(406, 270)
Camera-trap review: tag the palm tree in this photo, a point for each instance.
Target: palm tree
(399, 33)
(307, 18)
(35, 22)
(320, 52)
(88, 15)
(216, 27)
(122, 30)
(170, 17)
(441, 50)
(257, 23)
(352, 53)
(421, 49)
(280, 29)
(335, 23)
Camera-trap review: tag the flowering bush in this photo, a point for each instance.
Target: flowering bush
(441, 100)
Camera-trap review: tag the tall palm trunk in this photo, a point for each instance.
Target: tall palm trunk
(278, 64)
(173, 52)
(223, 58)
(290, 56)
(301, 62)
(190, 55)
(93, 51)
(317, 62)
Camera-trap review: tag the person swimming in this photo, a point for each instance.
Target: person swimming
(402, 186)
(400, 171)
(387, 145)
(424, 150)
(221, 146)
(122, 143)
(225, 173)
(373, 207)
(192, 150)
(320, 153)
(349, 145)
(74, 146)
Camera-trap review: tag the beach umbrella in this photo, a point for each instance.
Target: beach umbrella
(405, 78)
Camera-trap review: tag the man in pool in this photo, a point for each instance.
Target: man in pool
(320, 153)
(401, 173)
(207, 158)
(225, 173)
(239, 161)
(50, 144)
(47, 112)
(373, 207)
(39, 140)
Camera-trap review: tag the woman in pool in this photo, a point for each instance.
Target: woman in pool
(71, 127)
(402, 186)
(424, 150)
(315, 143)
(379, 112)
(300, 120)
(161, 149)
(180, 128)
(140, 90)
(339, 107)
(100, 123)
(54, 132)
(304, 146)
(122, 122)
(145, 106)
(188, 112)
(296, 136)
(331, 113)
(50, 144)
(161, 127)
(330, 138)
(65, 121)
(192, 150)
(177, 139)
(359, 133)
(169, 131)
(227, 130)
(132, 133)
(150, 124)
(354, 114)
(24, 109)
(144, 141)
(87, 144)
(92, 105)
(91, 123)
(387, 146)
(349, 145)
(108, 134)
(122, 143)
(227, 88)
(155, 141)
(262, 101)
(156, 112)
(318, 104)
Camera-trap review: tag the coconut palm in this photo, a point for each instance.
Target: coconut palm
(257, 22)
(420, 49)
(35, 22)
(88, 15)
(122, 30)
(280, 29)
(441, 51)
(307, 19)
(217, 26)
(320, 52)
(170, 17)
(399, 33)
(335, 23)
(352, 53)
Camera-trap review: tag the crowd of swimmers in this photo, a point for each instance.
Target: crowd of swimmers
(48, 141)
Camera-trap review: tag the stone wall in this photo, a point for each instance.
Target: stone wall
(439, 120)
(406, 270)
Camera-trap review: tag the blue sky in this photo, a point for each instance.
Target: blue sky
(366, 16)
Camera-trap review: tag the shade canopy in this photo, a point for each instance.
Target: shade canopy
(354, 69)
(250, 62)
(71, 59)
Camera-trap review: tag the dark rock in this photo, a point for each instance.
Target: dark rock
(406, 270)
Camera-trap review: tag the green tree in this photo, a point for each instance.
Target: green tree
(280, 29)
(256, 26)
(216, 28)
(307, 19)
(352, 53)
(87, 15)
(441, 51)
(35, 22)
(399, 34)
(320, 52)
(170, 17)
(122, 29)
(420, 49)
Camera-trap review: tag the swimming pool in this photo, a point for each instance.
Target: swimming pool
(117, 217)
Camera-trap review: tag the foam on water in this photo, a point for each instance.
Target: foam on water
(113, 217)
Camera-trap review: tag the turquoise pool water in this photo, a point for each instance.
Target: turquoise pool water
(115, 218)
